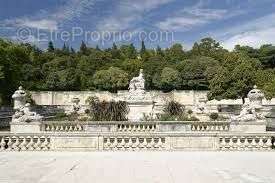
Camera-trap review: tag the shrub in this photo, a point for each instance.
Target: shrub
(189, 112)
(29, 98)
(214, 116)
(174, 108)
(108, 111)
(60, 116)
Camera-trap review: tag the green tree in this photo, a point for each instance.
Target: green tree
(208, 47)
(267, 56)
(132, 66)
(193, 72)
(235, 78)
(168, 80)
(153, 65)
(175, 53)
(60, 74)
(129, 51)
(111, 79)
(1, 73)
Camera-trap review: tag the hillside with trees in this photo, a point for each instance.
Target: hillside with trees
(207, 66)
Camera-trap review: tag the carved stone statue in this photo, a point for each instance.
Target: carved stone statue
(22, 109)
(255, 97)
(76, 107)
(19, 98)
(137, 87)
(248, 113)
(137, 83)
(200, 106)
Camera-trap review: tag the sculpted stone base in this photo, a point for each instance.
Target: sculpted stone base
(33, 127)
(138, 109)
(248, 127)
(194, 143)
(71, 143)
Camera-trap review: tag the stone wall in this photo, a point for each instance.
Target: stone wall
(186, 97)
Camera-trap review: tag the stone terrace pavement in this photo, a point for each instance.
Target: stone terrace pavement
(137, 167)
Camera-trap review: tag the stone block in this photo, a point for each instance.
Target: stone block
(194, 143)
(32, 127)
(248, 127)
(77, 143)
(174, 127)
(138, 109)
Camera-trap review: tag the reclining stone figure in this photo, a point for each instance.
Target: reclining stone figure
(248, 113)
(22, 109)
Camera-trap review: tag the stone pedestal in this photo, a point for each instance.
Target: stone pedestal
(76, 143)
(203, 117)
(138, 109)
(249, 127)
(33, 127)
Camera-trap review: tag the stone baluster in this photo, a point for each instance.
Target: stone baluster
(246, 143)
(15, 145)
(2, 144)
(254, 143)
(239, 144)
(78, 127)
(136, 144)
(122, 144)
(47, 128)
(198, 127)
(37, 145)
(140, 142)
(30, 144)
(268, 143)
(9, 144)
(115, 143)
(230, 143)
(45, 144)
(153, 128)
(222, 143)
(52, 128)
(130, 143)
(23, 145)
(260, 143)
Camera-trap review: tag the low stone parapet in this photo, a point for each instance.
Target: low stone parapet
(121, 141)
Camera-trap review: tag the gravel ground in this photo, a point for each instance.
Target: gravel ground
(137, 167)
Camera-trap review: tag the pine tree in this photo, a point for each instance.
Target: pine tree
(50, 47)
(72, 50)
(97, 48)
(143, 48)
(159, 51)
(83, 48)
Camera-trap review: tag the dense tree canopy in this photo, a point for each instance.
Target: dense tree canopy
(207, 66)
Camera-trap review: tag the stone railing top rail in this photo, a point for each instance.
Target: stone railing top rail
(125, 134)
(133, 123)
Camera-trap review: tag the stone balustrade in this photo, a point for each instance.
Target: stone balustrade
(24, 143)
(139, 127)
(210, 126)
(63, 127)
(137, 141)
(144, 126)
(246, 143)
(134, 143)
